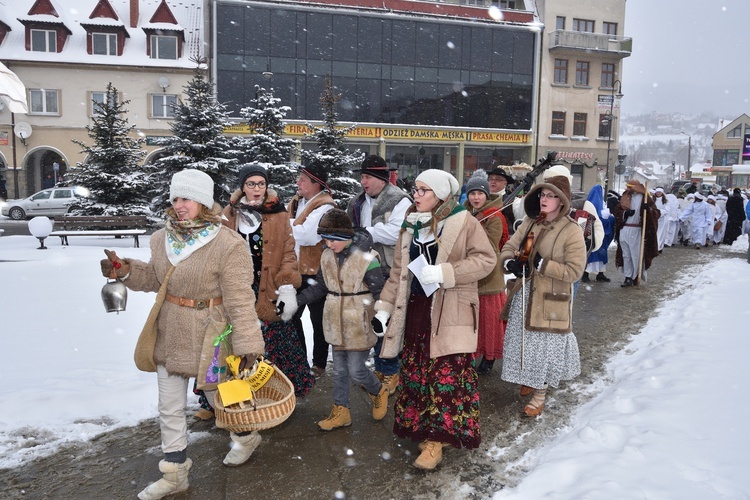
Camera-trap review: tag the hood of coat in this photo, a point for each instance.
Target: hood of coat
(531, 202)
(271, 205)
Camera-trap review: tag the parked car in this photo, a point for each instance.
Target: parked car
(50, 202)
(677, 185)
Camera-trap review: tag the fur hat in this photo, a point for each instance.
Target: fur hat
(336, 225)
(249, 170)
(559, 184)
(376, 166)
(441, 182)
(194, 185)
(316, 171)
(556, 170)
(477, 182)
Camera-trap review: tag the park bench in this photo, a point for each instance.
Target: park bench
(101, 225)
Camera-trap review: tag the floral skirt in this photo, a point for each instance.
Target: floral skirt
(284, 349)
(491, 327)
(438, 399)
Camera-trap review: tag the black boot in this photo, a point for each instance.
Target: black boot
(601, 277)
(485, 366)
(628, 282)
(585, 278)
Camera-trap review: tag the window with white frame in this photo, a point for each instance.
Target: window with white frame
(163, 47)
(162, 105)
(43, 40)
(97, 99)
(44, 102)
(104, 44)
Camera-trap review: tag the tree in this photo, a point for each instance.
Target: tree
(267, 145)
(198, 141)
(111, 170)
(331, 149)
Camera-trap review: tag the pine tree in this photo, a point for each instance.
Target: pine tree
(267, 145)
(111, 171)
(198, 141)
(331, 149)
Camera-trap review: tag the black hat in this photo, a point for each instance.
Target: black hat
(502, 173)
(376, 166)
(316, 171)
(336, 225)
(249, 170)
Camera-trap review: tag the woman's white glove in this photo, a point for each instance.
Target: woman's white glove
(430, 275)
(380, 322)
(286, 304)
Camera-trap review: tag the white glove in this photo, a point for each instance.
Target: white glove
(605, 213)
(286, 304)
(380, 322)
(430, 275)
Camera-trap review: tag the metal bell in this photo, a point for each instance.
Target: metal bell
(114, 296)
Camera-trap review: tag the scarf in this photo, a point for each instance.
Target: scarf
(186, 236)
(248, 220)
(418, 223)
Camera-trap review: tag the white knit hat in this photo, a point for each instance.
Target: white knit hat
(441, 182)
(556, 170)
(193, 185)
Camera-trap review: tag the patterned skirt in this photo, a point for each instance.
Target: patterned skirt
(284, 349)
(547, 357)
(438, 399)
(491, 327)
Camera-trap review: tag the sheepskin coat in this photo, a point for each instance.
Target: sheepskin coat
(493, 221)
(279, 259)
(465, 256)
(309, 256)
(222, 268)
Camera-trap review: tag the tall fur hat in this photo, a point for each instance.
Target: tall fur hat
(336, 225)
(193, 185)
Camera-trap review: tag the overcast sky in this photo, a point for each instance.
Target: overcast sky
(688, 56)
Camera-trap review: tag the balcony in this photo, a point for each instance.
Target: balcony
(590, 42)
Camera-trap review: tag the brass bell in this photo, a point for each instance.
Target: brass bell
(114, 294)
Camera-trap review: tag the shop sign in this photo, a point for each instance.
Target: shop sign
(499, 137)
(574, 155)
(3, 138)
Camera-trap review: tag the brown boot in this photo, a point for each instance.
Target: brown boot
(391, 382)
(430, 457)
(526, 390)
(536, 405)
(340, 417)
(380, 403)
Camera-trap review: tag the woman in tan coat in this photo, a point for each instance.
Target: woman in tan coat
(211, 278)
(540, 347)
(435, 319)
(257, 215)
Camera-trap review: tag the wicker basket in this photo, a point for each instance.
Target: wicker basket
(272, 405)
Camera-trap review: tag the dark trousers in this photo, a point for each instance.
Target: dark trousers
(384, 365)
(320, 346)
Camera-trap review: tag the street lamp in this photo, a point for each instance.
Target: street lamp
(609, 122)
(687, 168)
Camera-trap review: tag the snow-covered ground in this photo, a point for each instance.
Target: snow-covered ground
(668, 419)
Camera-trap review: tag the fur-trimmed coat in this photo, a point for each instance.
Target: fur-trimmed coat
(222, 268)
(465, 256)
(279, 259)
(492, 220)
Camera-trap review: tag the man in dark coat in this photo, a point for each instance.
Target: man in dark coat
(735, 216)
(634, 205)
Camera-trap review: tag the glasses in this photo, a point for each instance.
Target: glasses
(253, 185)
(548, 195)
(419, 191)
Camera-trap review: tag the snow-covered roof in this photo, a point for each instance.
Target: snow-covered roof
(189, 15)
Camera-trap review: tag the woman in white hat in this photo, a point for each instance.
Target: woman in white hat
(434, 318)
(211, 278)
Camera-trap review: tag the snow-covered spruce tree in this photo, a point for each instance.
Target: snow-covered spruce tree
(266, 144)
(332, 151)
(111, 170)
(197, 141)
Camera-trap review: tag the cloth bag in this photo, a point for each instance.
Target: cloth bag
(213, 368)
(144, 348)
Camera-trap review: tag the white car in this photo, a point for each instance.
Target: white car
(50, 202)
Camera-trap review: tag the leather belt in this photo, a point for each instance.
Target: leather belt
(348, 294)
(195, 304)
(632, 225)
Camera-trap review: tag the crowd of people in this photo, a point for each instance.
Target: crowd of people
(434, 288)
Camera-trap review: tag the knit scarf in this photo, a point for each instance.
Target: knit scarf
(418, 223)
(183, 237)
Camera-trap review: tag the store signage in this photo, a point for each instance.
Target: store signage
(746, 147)
(574, 155)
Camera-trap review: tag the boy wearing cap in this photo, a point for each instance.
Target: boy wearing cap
(349, 281)
(312, 201)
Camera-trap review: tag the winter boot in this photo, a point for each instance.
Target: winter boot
(380, 403)
(431, 455)
(536, 405)
(485, 366)
(204, 414)
(585, 278)
(174, 481)
(601, 277)
(391, 382)
(339, 417)
(242, 448)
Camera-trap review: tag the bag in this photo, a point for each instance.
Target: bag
(144, 348)
(217, 346)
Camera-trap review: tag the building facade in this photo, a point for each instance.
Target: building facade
(731, 160)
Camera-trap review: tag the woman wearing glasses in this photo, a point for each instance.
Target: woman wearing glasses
(432, 303)
(547, 254)
(258, 215)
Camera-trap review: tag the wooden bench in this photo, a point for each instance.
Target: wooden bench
(101, 225)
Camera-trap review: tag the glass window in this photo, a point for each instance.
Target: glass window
(481, 51)
(560, 23)
(163, 47)
(582, 73)
(579, 124)
(450, 46)
(608, 75)
(428, 36)
(44, 102)
(404, 43)
(370, 40)
(561, 71)
(735, 132)
(558, 123)
(609, 28)
(63, 193)
(605, 125)
(104, 44)
(319, 34)
(43, 41)
(162, 105)
(97, 99)
(344, 32)
(585, 25)
(282, 32)
(44, 195)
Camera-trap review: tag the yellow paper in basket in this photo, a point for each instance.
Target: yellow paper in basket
(233, 362)
(262, 374)
(235, 391)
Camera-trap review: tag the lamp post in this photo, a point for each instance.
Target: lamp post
(617, 84)
(687, 168)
